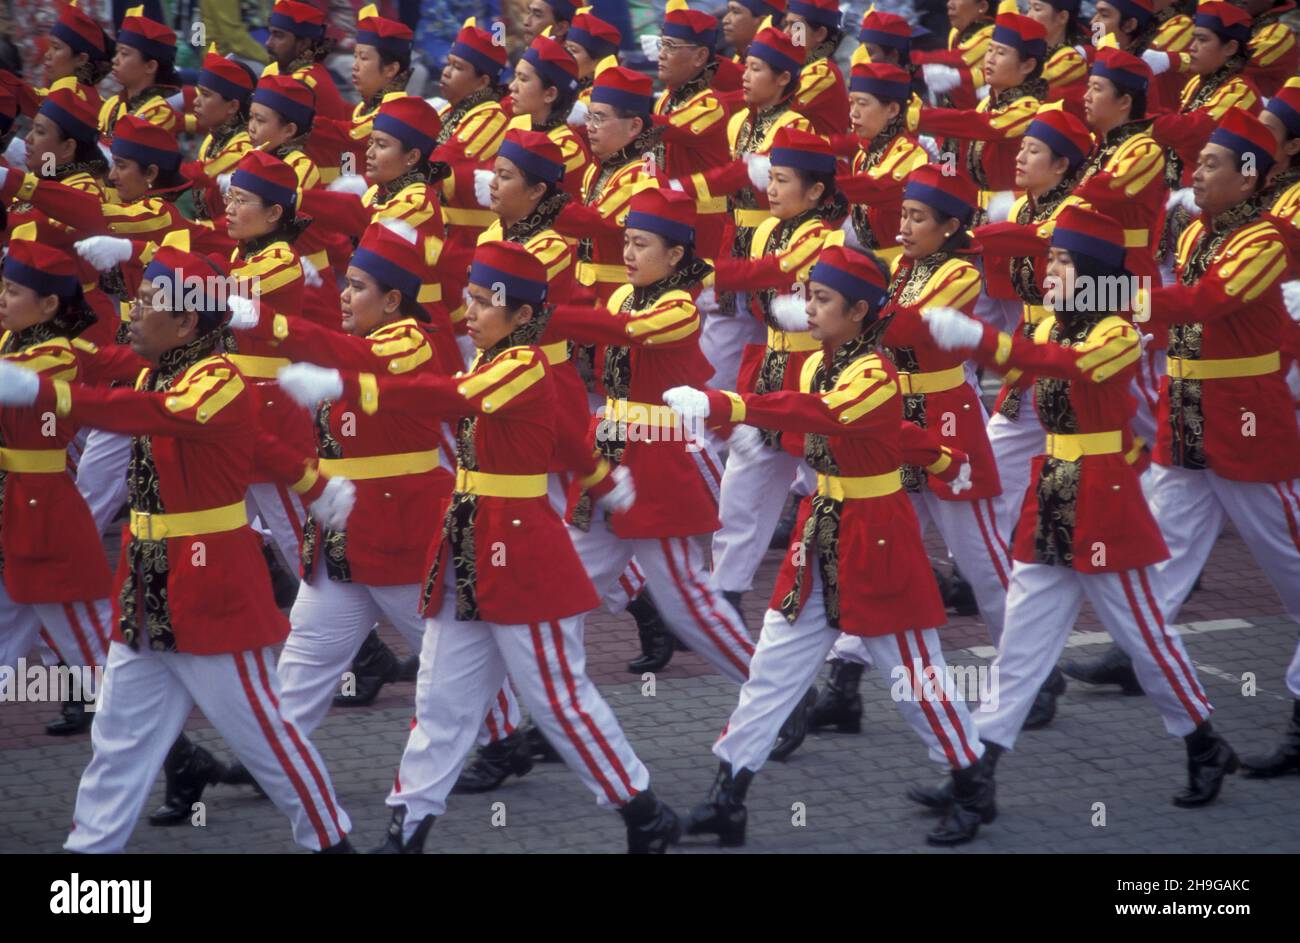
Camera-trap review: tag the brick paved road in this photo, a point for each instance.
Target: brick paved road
(1102, 748)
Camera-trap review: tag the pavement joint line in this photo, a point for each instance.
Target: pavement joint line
(1235, 680)
(1080, 639)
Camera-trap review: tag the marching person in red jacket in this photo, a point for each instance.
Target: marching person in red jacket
(296, 41)
(194, 621)
(1085, 530)
(506, 591)
(858, 565)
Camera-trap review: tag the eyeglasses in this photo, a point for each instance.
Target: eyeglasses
(231, 198)
(597, 120)
(671, 47)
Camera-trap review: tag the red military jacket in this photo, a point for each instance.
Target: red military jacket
(859, 528)
(654, 345)
(504, 549)
(822, 97)
(1084, 507)
(935, 394)
(874, 187)
(694, 138)
(191, 577)
(392, 456)
(994, 127)
(1225, 403)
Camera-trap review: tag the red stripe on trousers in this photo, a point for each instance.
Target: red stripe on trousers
(100, 632)
(997, 532)
(558, 639)
(505, 711)
(744, 643)
(316, 775)
(551, 696)
(493, 733)
(988, 544)
(292, 513)
(947, 705)
(321, 835)
(926, 707)
(87, 655)
(695, 613)
(1155, 651)
(1160, 623)
(1290, 515)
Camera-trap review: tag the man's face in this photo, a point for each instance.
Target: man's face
(538, 16)
(739, 25)
(282, 45)
(153, 329)
(459, 79)
(1219, 182)
(608, 132)
(679, 61)
(1208, 52)
(1103, 107)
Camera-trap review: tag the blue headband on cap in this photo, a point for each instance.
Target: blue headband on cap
(1121, 78)
(148, 47)
(389, 275)
(1107, 252)
(268, 191)
(392, 46)
(1129, 10)
(223, 86)
(684, 32)
(1289, 117)
(1061, 145)
(1027, 48)
(943, 202)
(485, 64)
(534, 164)
(300, 115)
(679, 233)
(43, 283)
(72, 127)
(144, 155)
(810, 161)
(815, 14)
(290, 25)
(597, 47)
(891, 91)
(618, 98)
(888, 40)
(1225, 32)
(550, 71)
(213, 306)
(1241, 147)
(411, 137)
(518, 290)
(77, 42)
(854, 289)
(776, 59)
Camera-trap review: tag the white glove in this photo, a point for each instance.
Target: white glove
(1000, 205)
(335, 503)
(1185, 198)
(650, 47)
(1144, 341)
(4, 175)
(760, 170)
(676, 185)
(16, 152)
(244, 313)
(745, 442)
(578, 114)
(622, 496)
(1082, 51)
(349, 183)
(931, 147)
(707, 300)
(310, 274)
(103, 252)
(962, 481)
(223, 181)
(438, 103)
(1291, 298)
(107, 152)
(951, 329)
(940, 78)
(688, 402)
(308, 384)
(18, 385)
(483, 187)
(1158, 62)
(791, 312)
(177, 101)
(983, 92)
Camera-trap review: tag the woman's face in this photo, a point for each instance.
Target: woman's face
(211, 110)
(1059, 278)
(869, 114)
(831, 319)
(1003, 67)
(387, 159)
(788, 195)
(962, 13)
(586, 64)
(130, 68)
(459, 79)
(512, 197)
(267, 129)
(369, 74)
(920, 232)
(1052, 19)
(528, 94)
(761, 85)
(46, 138)
(365, 303)
(21, 307)
(487, 323)
(1037, 168)
(130, 179)
(60, 61)
(648, 257)
(247, 217)
(1209, 52)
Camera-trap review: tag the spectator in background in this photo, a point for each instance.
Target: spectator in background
(226, 25)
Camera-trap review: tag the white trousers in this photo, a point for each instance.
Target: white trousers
(1146, 392)
(77, 631)
(1191, 507)
(101, 474)
(969, 529)
(787, 660)
(723, 340)
(463, 666)
(283, 517)
(1014, 446)
(145, 699)
(676, 577)
(754, 492)
(1042, 605)
(619, 594)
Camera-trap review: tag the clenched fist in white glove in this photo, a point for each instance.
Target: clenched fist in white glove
(760, 170)
(791, 312)
(650, 46)
(578, 114)
(104, 252)
(244, 313)
(1000, 204)
(620, 498)
(1184, 198)
(745, 441)
(223, 182)
(483, 187)
(335, 503)
(688, 402)
(308, 385)
(962, 482)
(18, 385)
(951, 329)
(177, 101)
(16, 152)
(707, 301)
(1158, 62)
(349, 183)
(940, 78)
(1291, 298)
(310, 273)
(438, 103)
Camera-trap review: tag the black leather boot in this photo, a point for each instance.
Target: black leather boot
(1209, 760)
(494, 762)
(374, 666)
(795, 729)
(656, 640)
(651, 825)
(73, 719)
(284, 585)
(840, 704)
(957, 594)
(940, 796)
(539, 748)
(723, 813)
(393, 844)
(188, 770)
(344, 847)
(1044, 707)
(785, 526)
(973, 804)
(1110, 667)
(1285, 759)
(237, 774)
(410, 669)
(735, 597)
